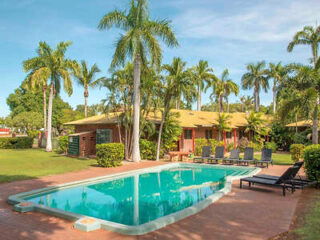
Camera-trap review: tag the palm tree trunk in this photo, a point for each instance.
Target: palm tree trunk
(274, 97)
(44, 89)
(315, 123)
(177, 104)
(199, 99)
(221, 104)
(256, 101)
(126, 147)
(136, 109)
(228, 106)
(49, 143)
(160, 129)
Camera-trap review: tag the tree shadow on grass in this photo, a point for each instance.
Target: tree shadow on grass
(33, 225)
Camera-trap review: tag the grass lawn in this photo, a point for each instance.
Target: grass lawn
(32, 163)
(279, 158)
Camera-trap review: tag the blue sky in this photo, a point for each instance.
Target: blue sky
(227, 33)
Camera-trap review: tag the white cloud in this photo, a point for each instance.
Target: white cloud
(265, 21)
(84, 30)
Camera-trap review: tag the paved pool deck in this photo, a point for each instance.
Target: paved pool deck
(257, 213)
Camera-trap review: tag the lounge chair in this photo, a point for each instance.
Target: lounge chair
(248, 157)
(218, 155)
(297, 180)
(206, 154)
(266, 157)
(284, 181)
(234, 157)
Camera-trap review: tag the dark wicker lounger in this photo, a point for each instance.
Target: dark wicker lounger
(297, 180)
(218, 155)
(284, 181)
(266, 158)
(234, 157)
(248, 157)
(206, 154)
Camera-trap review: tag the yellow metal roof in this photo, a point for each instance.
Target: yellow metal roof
(304, 123)
(186, 118)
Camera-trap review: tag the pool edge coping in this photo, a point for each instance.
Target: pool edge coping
(17, 200)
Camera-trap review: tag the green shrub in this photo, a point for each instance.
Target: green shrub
(243, 143)
(256, 146)
(16, 143)
(33, 133)
(63, 143)
(271, 145)
(148, 150)
(296, 151)
(230, 146)
(109, 154)
(311, 156)
(214, 143)
(199, 143)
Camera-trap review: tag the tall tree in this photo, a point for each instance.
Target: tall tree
(51, 64)
(309, 36)
(277, 72)
(222, 88)
(202, 74)
(137, 43)
(86, 78)
(256, 78)
(255, 126)
(176, 83)
(223, 124)
(247, 102)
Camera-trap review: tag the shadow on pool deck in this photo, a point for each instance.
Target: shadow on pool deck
(257, 213)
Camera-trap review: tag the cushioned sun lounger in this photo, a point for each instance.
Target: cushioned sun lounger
(234, 157)
(284, 181)
(248, 157)
(266, 157)
(206, 154)
(218, 155)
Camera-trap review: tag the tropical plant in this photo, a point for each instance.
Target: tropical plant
(86, 78)
(176, 83)
(222, 88)
(277, 72)
(310, 36)
(247, 103)
(202, 74)
(257, 79)
(138, 42)
(51, 64)
(256, 126)
(223, 124)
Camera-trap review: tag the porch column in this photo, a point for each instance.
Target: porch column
(193, 139)
(235, 138)
(225, 141)
(268, 137)
(179, 143)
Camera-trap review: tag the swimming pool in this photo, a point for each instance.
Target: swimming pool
(135, 202)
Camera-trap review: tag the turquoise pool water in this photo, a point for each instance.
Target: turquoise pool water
(144, 197)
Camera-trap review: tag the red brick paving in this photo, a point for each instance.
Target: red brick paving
(257, 213)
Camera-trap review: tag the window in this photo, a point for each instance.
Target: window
(104, 136)
(208, 134)
(228, 134)
(187, 134)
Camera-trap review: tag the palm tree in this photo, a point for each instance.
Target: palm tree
(309, 36)
(255, 126)
(223, 124)
(51, 64)
(256, 78)
(247, 102)
(86, 78)
(277, 72)
(138, 42)
(175, 84)
(222, 88)
(33, 83)
(201, 74)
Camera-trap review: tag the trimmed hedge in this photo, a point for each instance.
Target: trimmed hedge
(271, 145)
(296, 151)
(148, 150)
(16, 143)
(311, 156)
(109, 154)
(63, 142)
